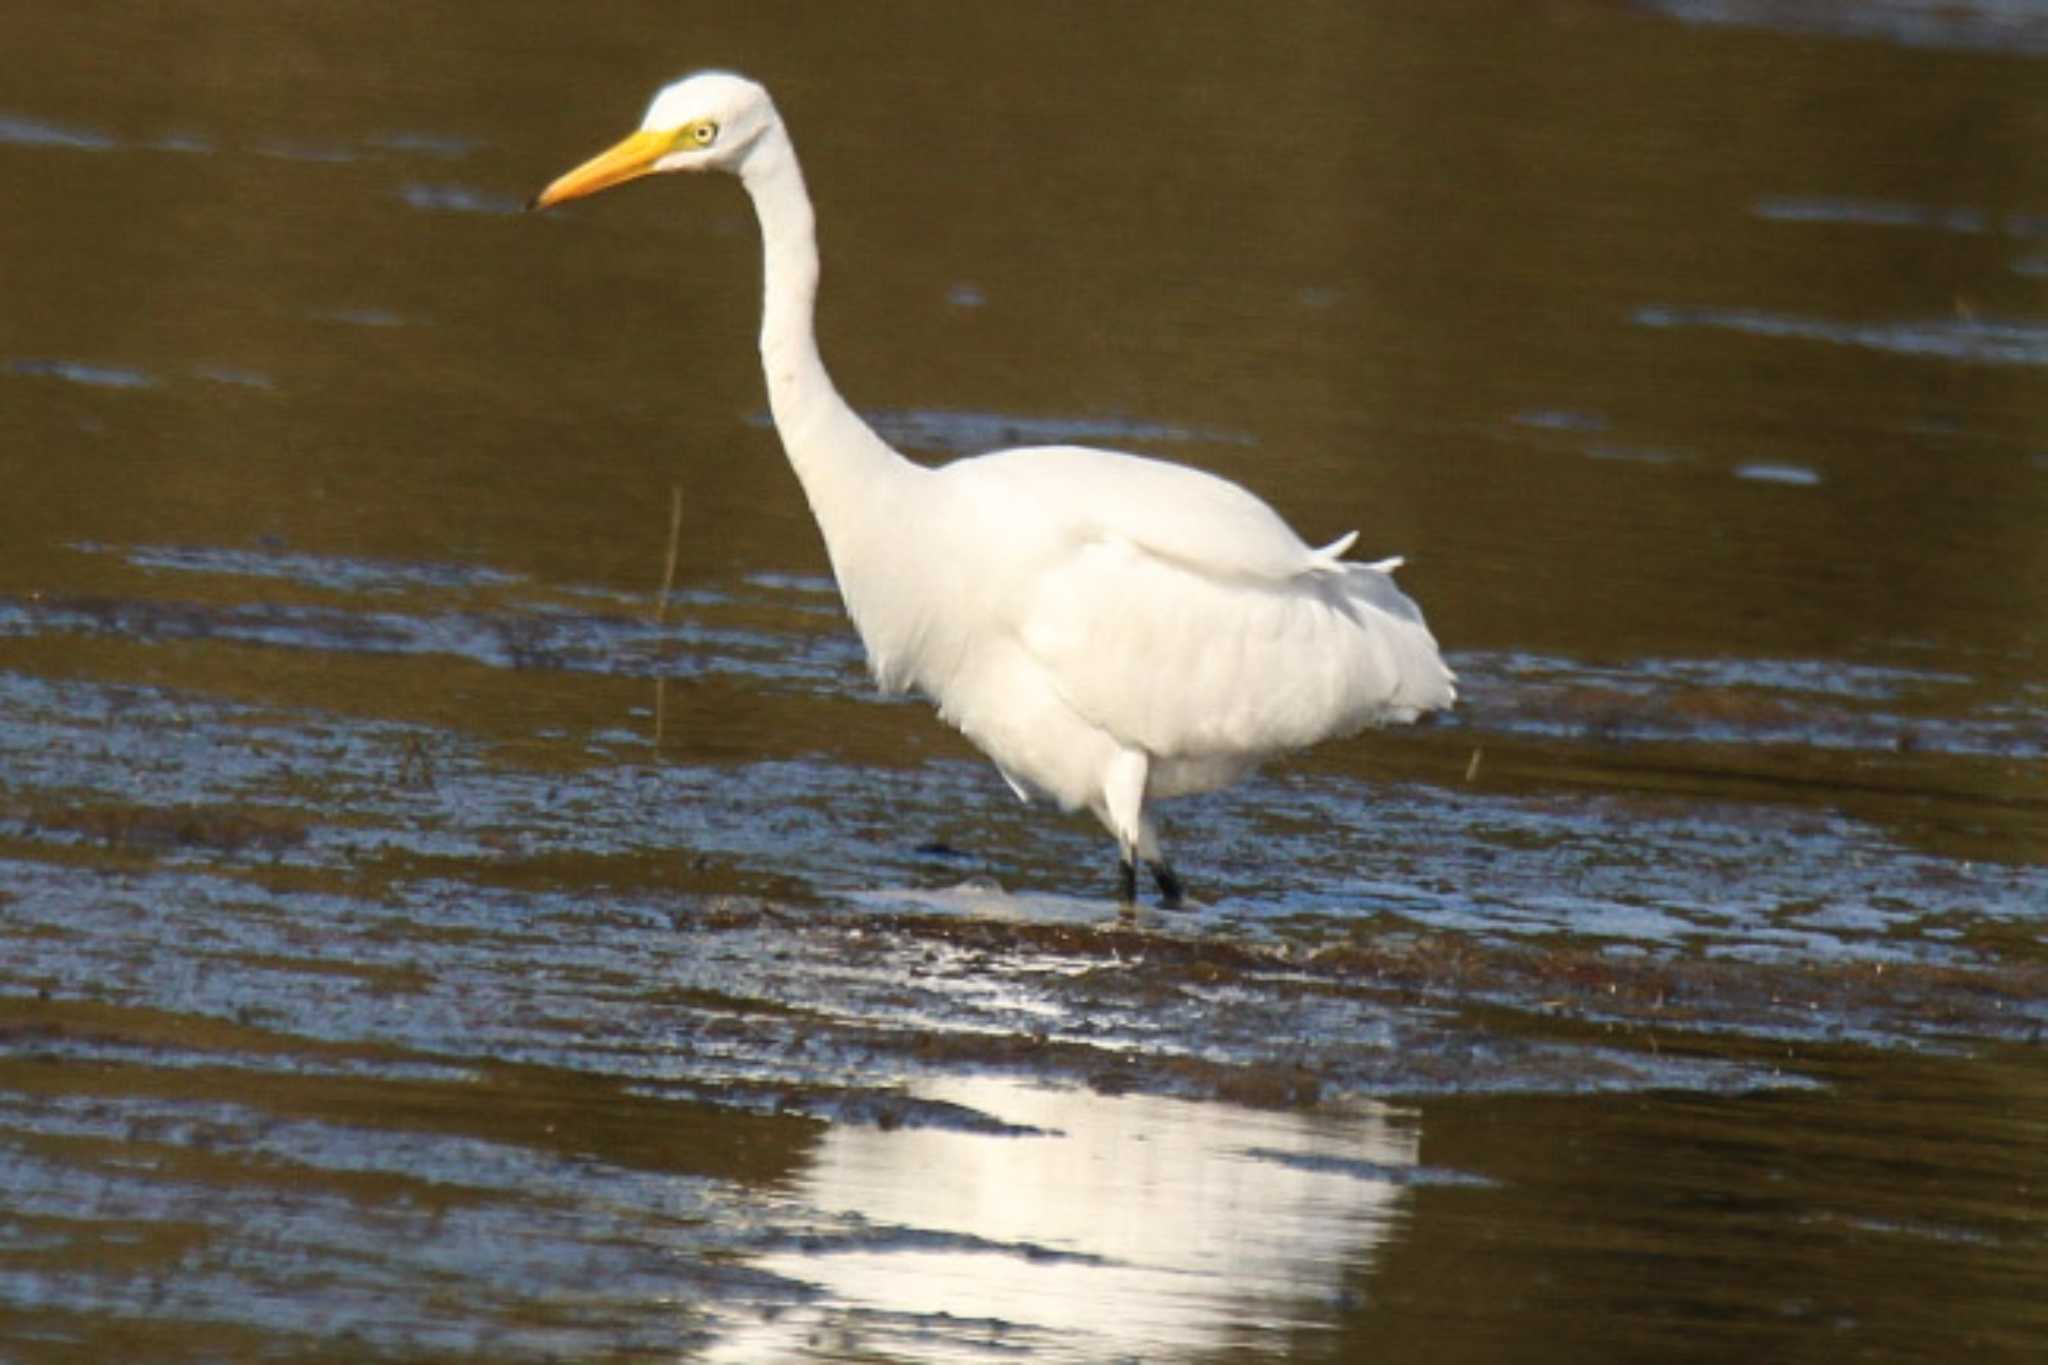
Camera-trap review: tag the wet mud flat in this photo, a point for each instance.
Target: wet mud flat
(742, 1130)
(425, 1030)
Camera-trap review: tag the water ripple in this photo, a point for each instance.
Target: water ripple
(965, 432)
(458, 199)
(19, 131)
(78, 372)
(1973, 340)
(2016, 26)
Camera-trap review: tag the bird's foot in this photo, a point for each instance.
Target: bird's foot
(1171, 888)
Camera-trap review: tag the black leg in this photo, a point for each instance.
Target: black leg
(1171, 888)
(1127, 882)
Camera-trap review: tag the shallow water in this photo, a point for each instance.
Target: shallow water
(427, 940)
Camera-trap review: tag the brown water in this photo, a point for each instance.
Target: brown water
(414, 949)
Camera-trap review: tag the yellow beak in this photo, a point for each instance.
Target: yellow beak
(629, 160)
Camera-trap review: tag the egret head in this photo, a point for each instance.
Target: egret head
(704, 122)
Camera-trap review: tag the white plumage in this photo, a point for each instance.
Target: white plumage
(1108, 629)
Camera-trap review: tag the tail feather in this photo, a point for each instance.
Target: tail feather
(1334, 551)
(1422, 682)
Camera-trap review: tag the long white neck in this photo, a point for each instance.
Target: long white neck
(845, 468)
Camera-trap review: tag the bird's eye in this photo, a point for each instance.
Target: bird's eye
(702, 132)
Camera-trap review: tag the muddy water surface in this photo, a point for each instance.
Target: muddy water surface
(420, 939)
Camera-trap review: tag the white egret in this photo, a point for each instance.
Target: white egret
(1109, 629)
